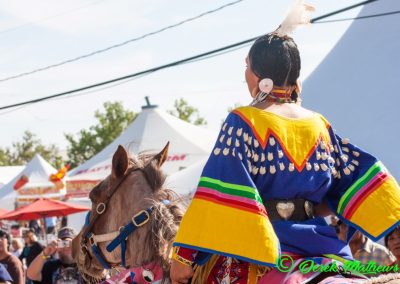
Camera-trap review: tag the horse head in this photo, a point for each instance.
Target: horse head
(133, 219)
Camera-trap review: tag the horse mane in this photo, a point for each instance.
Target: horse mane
(166, 218)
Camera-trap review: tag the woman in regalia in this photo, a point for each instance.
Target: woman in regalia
(276, 167)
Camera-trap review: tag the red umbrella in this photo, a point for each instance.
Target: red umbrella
(42, 208)
(3, 211)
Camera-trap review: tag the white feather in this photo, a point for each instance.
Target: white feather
(299, 14)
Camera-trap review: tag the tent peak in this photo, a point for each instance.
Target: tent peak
(37, 155)
(148, 104)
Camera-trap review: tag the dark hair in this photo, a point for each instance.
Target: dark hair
(28, 232)
(388, 235)
(276, 58)
(4, 234)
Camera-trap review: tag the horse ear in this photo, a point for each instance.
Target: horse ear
(120, 162)
(162, 156)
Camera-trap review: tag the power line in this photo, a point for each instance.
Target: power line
(76, 94)
(120, 82)
(218, 54)
(154, 69)
(118, 44)
(342, 10)
(145, 72)
(359, 18)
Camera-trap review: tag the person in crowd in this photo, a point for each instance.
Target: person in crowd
(32, 247)
(5, 277)
(64, 221)
(56, 271)
(341, 230)
(364, 249)
(392, 242)
(15, 231)
(16, 247)
(10, 262)
(50, 224)
(34, 225)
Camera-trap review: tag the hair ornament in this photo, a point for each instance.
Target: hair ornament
(266, 85)
(298, 15)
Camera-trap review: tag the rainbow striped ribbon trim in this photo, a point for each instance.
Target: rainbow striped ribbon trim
(361, 189)
(233, 195)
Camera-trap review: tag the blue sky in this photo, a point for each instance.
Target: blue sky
(52, 31)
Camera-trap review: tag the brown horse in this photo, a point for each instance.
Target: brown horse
(134, 187)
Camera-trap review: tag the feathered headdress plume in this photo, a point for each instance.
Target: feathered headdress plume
(298, 15)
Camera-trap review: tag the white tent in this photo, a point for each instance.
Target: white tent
(7, 173)
(37, 172)
(77, 220)
(150, 131)
(185, 182)
(356, 85)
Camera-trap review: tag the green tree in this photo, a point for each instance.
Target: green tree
(235, 106)
(22, 152)
(186, 112)
(110, 124)
(230, 109)
(5, 157)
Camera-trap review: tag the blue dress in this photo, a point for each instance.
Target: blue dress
(261, 156)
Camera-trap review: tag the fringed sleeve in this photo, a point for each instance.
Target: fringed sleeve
(364, 194)
(227, 216)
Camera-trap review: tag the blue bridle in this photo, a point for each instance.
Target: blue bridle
(118, 237)
(137, 221)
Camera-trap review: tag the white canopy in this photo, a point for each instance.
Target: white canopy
(8, 173)
(150, 131)
(356, 85)
(38, 172)
(185, 182)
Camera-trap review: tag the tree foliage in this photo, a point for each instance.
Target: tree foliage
(110, 123)
(187, 113)
(235, 106)
(230, 109)
(23, 151)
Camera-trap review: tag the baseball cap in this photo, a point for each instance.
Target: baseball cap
(66, 232)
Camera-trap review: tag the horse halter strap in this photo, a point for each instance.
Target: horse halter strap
(116, 237)
(102, 206)
(119, 237)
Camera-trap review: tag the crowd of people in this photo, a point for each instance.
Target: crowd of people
(53, 263)
(365, 250)
(36, 263)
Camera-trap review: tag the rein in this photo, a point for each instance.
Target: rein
(117, 237)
